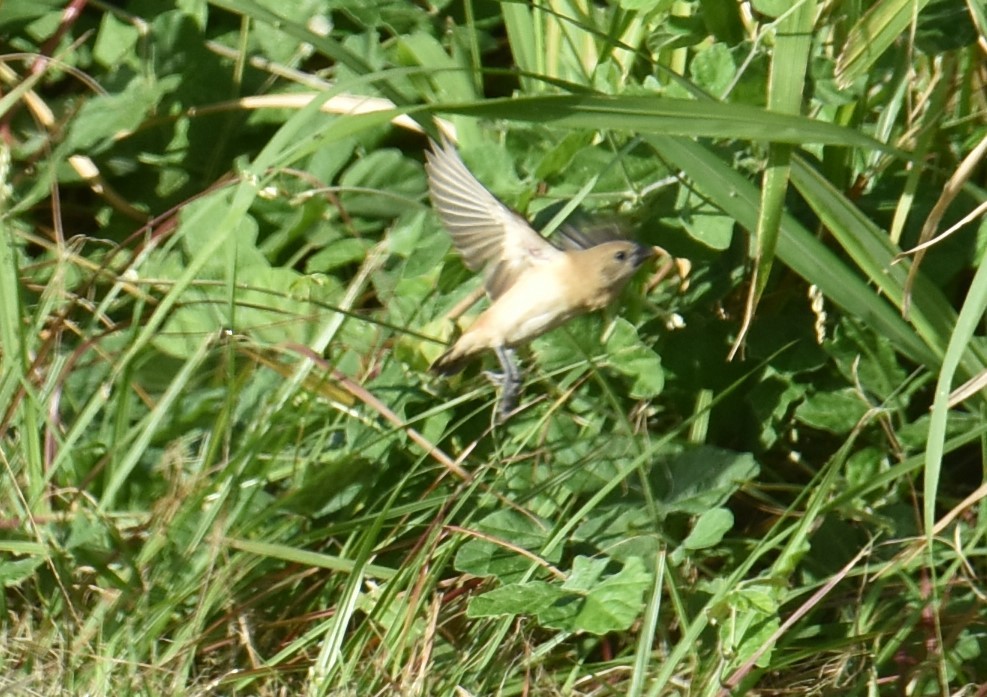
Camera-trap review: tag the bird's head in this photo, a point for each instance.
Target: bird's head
(617, 261)
(607, 267)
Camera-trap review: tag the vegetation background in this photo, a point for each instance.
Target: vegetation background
(226, 470)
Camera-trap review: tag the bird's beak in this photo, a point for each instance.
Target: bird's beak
(642, 254)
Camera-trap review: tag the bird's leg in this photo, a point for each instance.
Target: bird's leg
(506, 357)
(510, 382)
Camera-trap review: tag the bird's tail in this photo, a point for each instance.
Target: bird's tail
(452, 361)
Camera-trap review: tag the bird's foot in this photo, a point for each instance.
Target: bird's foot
(510, 390)
(496, 379)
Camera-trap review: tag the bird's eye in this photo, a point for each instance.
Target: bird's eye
(620, 256)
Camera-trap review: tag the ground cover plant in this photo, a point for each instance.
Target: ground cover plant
(226, 468)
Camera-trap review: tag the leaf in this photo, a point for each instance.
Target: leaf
(451, 80)
(13, 572)
(709, 529)
(864, 358)
(485, 557)
(837, 412)
(340, 252)
(238, 249)
(629, 356)
(515, 599)
(642, 5)
(663, 116)
(271, 39)
(103, 117)
(705, 225)
(389, 184)
(747, 617)
(770, 402)
(883, 23)
(586, 572)
(702, 478)
(713, 68)
(772, 8)
(18, 11)
(114, 41)
(622, 531)
(610, 605)
(582, 604)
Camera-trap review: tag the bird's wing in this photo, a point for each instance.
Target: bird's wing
(486, 233)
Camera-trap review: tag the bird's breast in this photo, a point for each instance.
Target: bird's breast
(541, 299)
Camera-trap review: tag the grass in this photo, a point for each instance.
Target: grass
(226, 469)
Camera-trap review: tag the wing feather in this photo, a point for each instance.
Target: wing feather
(486, 233)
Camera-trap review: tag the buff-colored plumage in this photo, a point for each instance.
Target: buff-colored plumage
(533, 285)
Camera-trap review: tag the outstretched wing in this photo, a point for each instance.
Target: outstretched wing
(486, 233)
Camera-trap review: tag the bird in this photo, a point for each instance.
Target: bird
(533, 285)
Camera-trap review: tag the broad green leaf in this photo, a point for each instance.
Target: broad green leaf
(450, 80)
(515, 599)
(587, 602)
(105, 116)
(487, 557)
(704, 222)
(709, 529)
(836, 412)
(14, 572)
(628, 354)
(382, 184)
(713, 68)
(585, 574)
(611, 605)
(748, 616)
(702, 478)
(115, 40)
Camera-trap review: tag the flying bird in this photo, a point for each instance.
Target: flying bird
(533, 285)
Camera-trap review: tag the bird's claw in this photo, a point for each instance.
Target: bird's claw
(495, 378)
(510, 390)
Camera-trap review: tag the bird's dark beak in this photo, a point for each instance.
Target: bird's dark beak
(642, 254)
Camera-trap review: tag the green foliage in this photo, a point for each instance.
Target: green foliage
(587, 601)
(227, 470)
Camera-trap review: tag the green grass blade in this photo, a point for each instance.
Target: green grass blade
(967, 323)
(789, 66)
(666, 116)
(797, 247)
(883, 23)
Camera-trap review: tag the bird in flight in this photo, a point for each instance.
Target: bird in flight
(533, 285)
